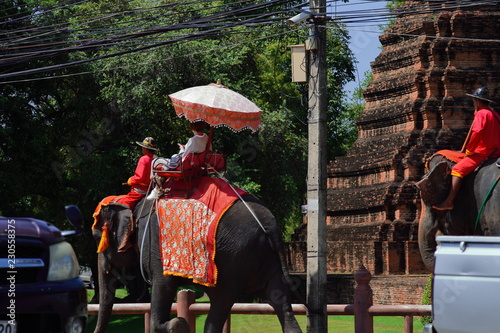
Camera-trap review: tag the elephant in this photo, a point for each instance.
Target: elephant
(249, 259)
(476, 210)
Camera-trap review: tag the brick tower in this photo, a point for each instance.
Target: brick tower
(432, 55)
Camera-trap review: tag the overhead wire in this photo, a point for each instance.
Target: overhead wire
(94, 44)
(158, 60)
(380, 14)
(144, 32)
(201, 24)
(369, 15)
(105, 16)
(31, 15)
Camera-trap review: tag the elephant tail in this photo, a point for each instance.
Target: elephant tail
(294, 283)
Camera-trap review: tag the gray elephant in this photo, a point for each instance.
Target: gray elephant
(248, 260)
(476, 208)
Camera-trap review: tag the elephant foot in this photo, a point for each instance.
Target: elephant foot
(178, 325)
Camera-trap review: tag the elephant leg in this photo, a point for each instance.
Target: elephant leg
(136, 286)
(163, 293)
(107, 288)
(279, 295)
(220, 308)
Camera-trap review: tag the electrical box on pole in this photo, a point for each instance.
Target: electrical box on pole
(300, 65)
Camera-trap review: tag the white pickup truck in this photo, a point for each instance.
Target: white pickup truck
(466, 285)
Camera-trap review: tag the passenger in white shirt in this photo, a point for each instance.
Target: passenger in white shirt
(196, 144)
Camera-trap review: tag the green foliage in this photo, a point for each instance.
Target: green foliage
(427, 300)
(71, 140)
(348, 132)
(340, 71)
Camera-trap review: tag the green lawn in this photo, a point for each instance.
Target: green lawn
(257, 323)
(262, 324)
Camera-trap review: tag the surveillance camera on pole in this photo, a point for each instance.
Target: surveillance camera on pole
(299, 18)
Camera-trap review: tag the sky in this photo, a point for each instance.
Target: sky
(364, 35)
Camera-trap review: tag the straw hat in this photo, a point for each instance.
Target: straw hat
(148, 143)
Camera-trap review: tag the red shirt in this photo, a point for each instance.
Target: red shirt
(485, 136)
(142, 174)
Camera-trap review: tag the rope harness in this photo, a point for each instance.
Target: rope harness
(144, 235)
(244, 202)
(486, 198)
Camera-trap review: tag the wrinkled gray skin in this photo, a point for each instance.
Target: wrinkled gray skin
(114, 268)
(461, 220)
(248, 261)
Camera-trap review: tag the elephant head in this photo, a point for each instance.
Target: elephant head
(118, 261)
(465, 218)
(434, 188)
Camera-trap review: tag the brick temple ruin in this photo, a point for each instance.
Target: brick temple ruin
(416, 105)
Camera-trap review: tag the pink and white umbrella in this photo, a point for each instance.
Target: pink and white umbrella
(218, 106)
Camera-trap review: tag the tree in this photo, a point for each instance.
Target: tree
(86, 125)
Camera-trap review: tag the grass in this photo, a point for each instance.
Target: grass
(256, 323)
(262, 324)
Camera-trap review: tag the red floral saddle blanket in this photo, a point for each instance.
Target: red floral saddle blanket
(188, 229)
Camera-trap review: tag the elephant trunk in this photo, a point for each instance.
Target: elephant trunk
(107, 290)
(427, 229)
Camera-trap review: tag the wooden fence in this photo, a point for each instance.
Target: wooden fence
(362, 309)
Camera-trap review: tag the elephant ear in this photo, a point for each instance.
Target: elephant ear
(124, 228)
(435, 185)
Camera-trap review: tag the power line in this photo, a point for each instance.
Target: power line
(263, 18)
(117, 33)
(154, 61)
(116, 39)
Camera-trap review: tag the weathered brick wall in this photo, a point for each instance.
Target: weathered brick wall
(398, 289)
(416, 105)
(387, 290)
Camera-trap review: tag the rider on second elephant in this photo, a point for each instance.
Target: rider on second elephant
(482, 145)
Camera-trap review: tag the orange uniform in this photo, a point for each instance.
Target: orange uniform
(139, 182)
(484, 142)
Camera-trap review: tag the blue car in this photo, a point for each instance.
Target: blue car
(40, 288)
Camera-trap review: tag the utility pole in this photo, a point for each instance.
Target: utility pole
(316, 177)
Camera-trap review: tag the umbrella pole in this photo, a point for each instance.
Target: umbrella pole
(211, 132)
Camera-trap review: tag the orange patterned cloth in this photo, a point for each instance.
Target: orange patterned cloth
(188, 228)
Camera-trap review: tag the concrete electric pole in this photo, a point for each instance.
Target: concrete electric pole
(316, 178)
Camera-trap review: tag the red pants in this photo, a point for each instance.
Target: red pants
(131, 199)
(467, 165)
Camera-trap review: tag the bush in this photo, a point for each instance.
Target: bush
(427, 300)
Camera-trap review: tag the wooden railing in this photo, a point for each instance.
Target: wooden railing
(362, 309)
